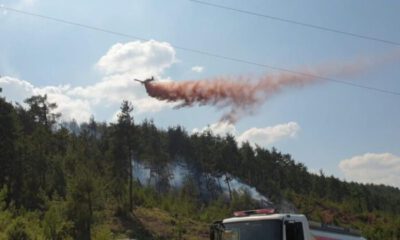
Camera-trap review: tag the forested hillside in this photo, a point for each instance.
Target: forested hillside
(69, 181)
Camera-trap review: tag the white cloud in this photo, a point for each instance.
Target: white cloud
(16, 89)
(378, 168)
(137, 58)
(255, 136)
(72, 108)
(268, 135)
(121, 63)
(197, 69)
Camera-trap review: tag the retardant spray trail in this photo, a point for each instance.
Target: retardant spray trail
(242, 95)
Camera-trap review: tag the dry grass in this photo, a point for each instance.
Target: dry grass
(163, 225)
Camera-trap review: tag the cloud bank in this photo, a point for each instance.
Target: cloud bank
(120, 65)
(255, 136)
(378, 168)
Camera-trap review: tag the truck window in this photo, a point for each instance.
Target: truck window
(254, 230)
(294, 230)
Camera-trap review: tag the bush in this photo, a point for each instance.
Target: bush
(102, 233)
(17, 230)
(55, 225)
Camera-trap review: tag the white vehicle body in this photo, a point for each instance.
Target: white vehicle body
(281, 227)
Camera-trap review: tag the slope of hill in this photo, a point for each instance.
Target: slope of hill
(62, 184)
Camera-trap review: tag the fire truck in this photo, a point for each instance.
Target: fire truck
(265, 224)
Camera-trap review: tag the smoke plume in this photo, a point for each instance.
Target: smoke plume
(243, 94)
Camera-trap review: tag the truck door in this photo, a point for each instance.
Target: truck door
(294, 230)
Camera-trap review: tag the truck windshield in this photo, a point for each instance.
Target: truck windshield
(253, 230)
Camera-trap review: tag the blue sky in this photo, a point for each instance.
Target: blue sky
(350, 132)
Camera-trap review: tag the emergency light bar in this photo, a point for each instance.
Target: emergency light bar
(254, 212)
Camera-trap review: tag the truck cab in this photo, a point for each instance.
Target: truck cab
(265, 224)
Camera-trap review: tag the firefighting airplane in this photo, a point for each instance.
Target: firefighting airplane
(146, 81)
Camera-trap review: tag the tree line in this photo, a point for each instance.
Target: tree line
(71, 178)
